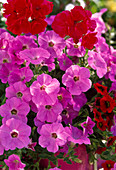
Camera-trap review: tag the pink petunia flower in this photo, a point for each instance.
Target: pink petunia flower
(14, 108)
(76, 79)
(19, 90)
(24, 74)
(14, 134)
(49, 113)
(44, 90)
(52, 136)
(52, 42)
(75, 49)
(96, 62)
(34, 55)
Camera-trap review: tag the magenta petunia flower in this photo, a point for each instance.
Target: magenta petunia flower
(27, 42)
(31, 145)
(78, 101)
(76, 136)
(64, 97)
(44, 90)
(24, 74)
(15, 47)
(19, 90)
(64, 62)
(68, 114)
(5, 70)
(96, 62)
(87, 126)
(14, 162)
(4, 57)
(5, 39)
(14, 134)
(52, 136)
(49, 113)
(14, 108)
(76, 79)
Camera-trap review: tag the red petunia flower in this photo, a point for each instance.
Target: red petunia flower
(111, 140)
(97, 102)
(107, 104)
(100, 88)
(102, 125)
(97, 115)
(109, 122)
(100, 150)
(107, 165)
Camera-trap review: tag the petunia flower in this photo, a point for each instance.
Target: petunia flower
(14, 162)
(14, 134)
(76, 79)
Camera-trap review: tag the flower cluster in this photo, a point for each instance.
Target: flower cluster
(103, 111)
(49, 80)
(77, 24)
(27, 16)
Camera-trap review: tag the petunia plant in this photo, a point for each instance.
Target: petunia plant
(57, 88)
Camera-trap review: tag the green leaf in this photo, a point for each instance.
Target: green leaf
(67, 160)
(61, 155)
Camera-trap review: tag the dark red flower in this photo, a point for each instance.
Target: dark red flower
(100, 88)
(109, 122)
(107, 165)
(111, 140)
(97, 102)
(89, 40)
(97, 115)
(100, 150)
(101, 124)
(107, 104)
